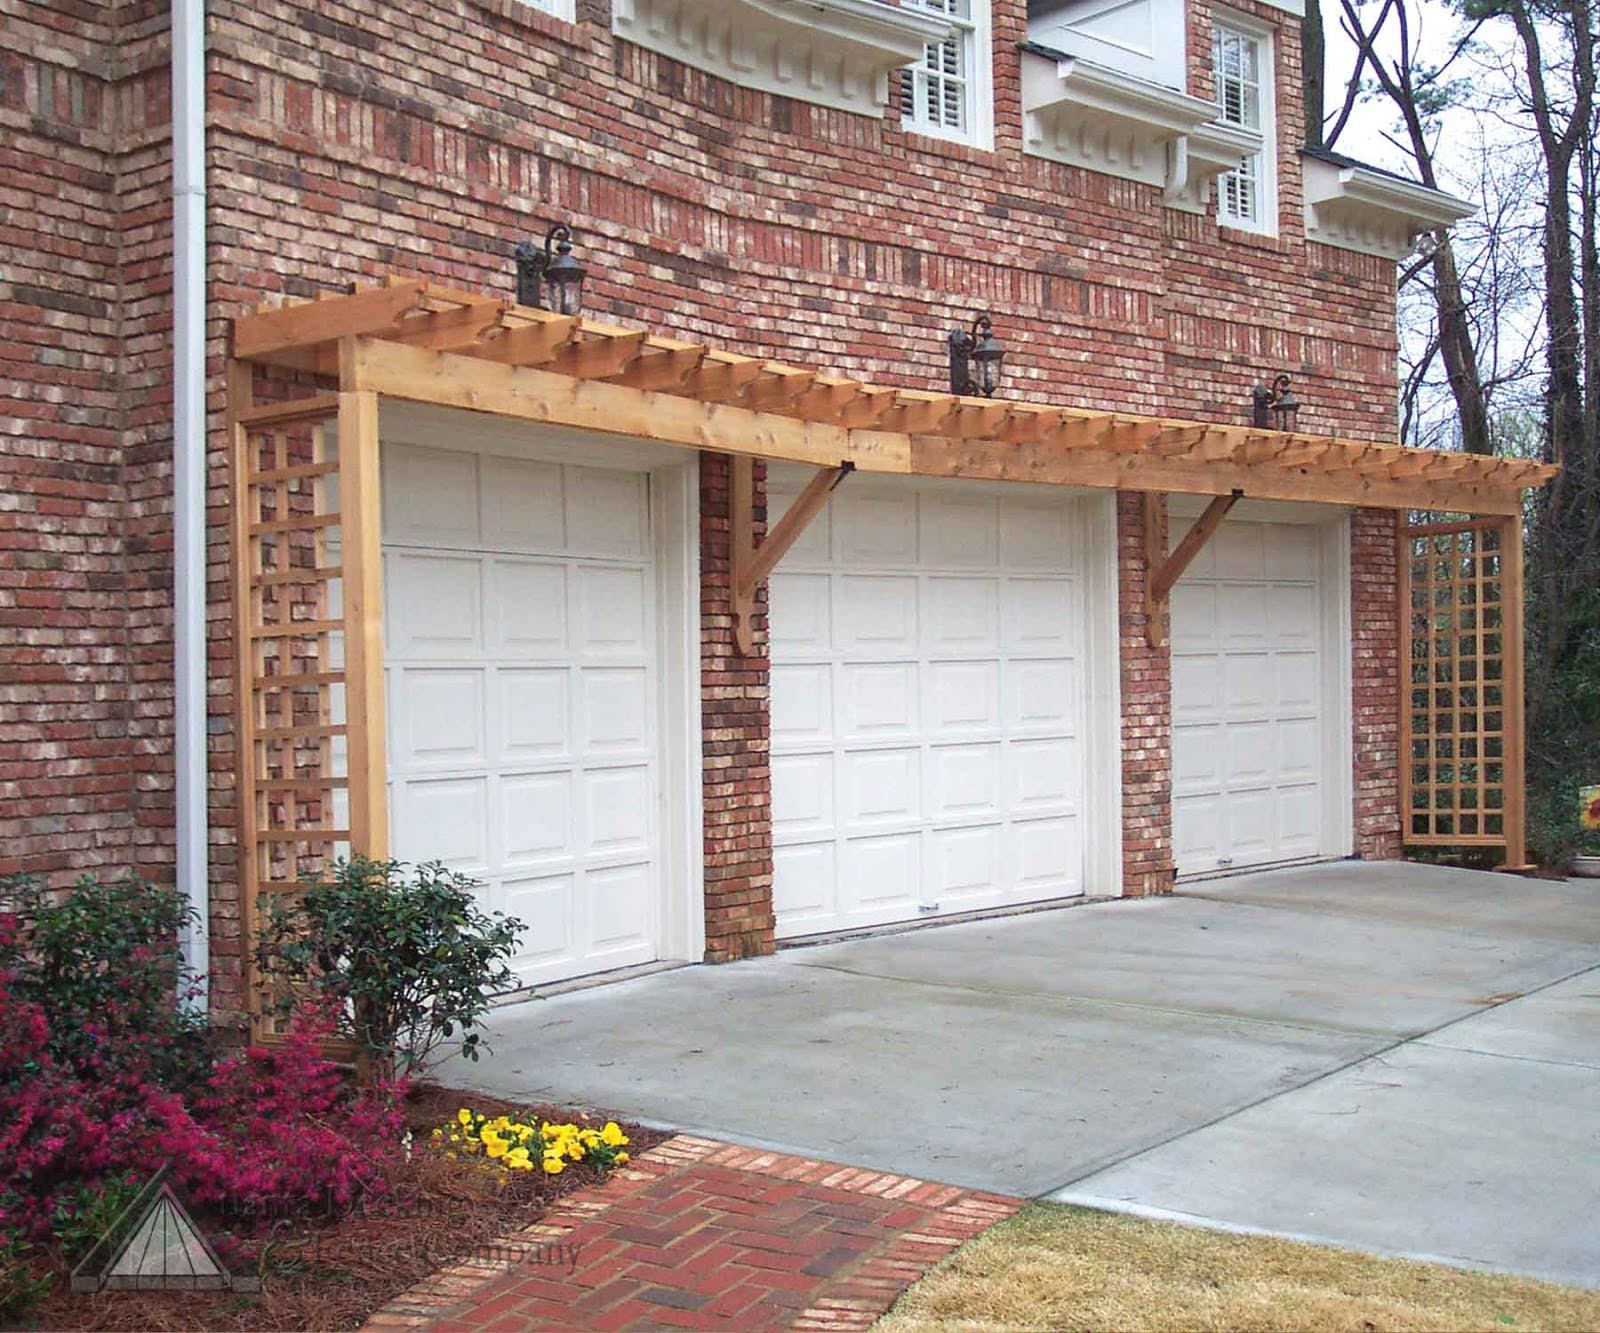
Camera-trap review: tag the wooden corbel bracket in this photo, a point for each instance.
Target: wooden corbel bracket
(750, 564)
(1161, 574)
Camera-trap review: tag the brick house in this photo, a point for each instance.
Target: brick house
(951, 697)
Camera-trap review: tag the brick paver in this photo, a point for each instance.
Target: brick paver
(700, 1234)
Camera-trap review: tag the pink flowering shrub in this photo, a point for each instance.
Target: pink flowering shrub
(267, 1133)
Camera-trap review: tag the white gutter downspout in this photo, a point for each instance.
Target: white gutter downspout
(189, 471)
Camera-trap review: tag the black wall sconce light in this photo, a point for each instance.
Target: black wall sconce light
(975, 359)
(1275, 406)
(550, 277)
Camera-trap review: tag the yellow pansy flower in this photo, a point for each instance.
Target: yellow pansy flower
(612, 1135)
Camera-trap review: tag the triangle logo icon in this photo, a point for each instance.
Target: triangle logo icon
(153, 1246)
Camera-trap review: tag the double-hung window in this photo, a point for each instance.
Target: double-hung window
(1246, 196)
(946, 93)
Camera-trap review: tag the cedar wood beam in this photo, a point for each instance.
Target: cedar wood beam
(530, 394)
(1159, 580)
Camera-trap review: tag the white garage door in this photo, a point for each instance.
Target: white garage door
(927, 704)
(1249, 698)
(521, 679)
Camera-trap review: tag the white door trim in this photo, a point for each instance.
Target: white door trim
(1103, 687)
(1336, 667)
(675, 520)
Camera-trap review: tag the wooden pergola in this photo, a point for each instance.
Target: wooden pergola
(307, 533)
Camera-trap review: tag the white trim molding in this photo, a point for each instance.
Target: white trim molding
(1355, 207)
(836, 53)
(1104, 120)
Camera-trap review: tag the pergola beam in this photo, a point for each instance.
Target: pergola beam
(1159, 579)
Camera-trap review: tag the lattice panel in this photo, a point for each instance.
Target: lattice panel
(295, 770)
(1460, 713)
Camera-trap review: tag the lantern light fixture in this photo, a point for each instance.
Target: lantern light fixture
(1274, 406)
(550, 278)
(975, 357)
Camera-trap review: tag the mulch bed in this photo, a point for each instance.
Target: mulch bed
(333, 1273)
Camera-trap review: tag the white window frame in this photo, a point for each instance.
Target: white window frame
(1264, 162)
(565, 10)
(974, 34)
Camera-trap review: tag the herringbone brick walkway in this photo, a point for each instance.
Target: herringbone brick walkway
(699, 1234)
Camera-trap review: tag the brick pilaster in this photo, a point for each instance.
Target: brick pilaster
(1147, 865)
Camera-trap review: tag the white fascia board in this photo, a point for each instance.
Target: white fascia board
(836, 53)
(1087, 115)
(1355, 208)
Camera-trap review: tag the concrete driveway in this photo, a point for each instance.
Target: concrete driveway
(1396, 1057)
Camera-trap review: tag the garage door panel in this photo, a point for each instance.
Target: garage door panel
(805, 884)
(1196, 686)
(1297, 680)
(436, 606)
(1044, 774)
(1036, 536)
(616, 804)
(963, 697)
(1299, 749)
(1239, 552)
(876, 614)
(430, 496)
(548, 903)
(966, 864)
(1197, 756)
(957, 639)
(1299, 819)
(963, 615)
(1194, 618)
(1249, 753)
(1248, 686)
(964, 781)
(444, 716)
(960, 532)
(527, 608)
(815, 539)
(1242, 615)
(1041, 616)
(1049, 857)
(875, 530)
(619, 911)
(1251, 822)
(878, 700)
(1041, 696)
(612, 616)
(445, 819)
(534, 714)
(537, 816)
(802, 704)
(1293, 614)
(616, 711)
(800, 614)
(881, 787)
(1197, 828)
(882, 873)
(523, 503)
(607, 513)
(802, 794)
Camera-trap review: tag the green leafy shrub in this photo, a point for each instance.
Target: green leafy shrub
(88, 1211)
(20, 1288)
(404, 960)
(102, 959)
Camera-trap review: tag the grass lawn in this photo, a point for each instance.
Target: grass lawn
(1071, 1268)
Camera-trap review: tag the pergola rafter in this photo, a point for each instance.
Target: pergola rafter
(414, 339)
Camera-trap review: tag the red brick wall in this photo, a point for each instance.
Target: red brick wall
(736, 736)
(1146, 675)
(350, 139)
(1375, 682)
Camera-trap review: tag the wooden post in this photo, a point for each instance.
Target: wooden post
(361, 540)
(1513, 708)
